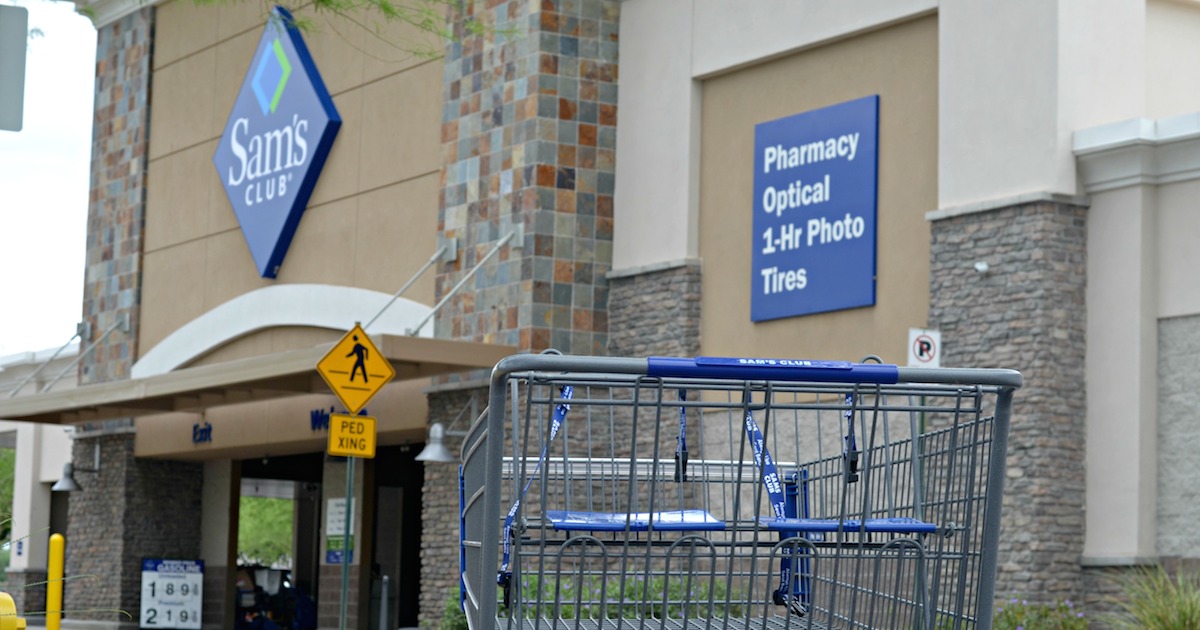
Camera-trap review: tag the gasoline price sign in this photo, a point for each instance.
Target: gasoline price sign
(172, 591)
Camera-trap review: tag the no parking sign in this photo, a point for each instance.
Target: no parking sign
(924, 347)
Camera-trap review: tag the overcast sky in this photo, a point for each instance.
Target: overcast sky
(44, 173)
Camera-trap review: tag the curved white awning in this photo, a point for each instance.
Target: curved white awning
(313, 305)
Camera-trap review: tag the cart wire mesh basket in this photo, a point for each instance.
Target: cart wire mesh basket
(718, 493)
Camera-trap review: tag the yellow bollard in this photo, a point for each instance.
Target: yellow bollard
(54, 583)
(8, 614)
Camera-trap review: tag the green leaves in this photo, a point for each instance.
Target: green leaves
(453, 617)
(1154, 600)
(264, 530)
(430, 23)
(8, 465)
(589, 596)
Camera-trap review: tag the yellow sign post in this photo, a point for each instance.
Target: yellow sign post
(54, 581)
(351, 436)
(355, 370)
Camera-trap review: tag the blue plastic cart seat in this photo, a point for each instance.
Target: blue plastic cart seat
(871, 525)
(671, 520)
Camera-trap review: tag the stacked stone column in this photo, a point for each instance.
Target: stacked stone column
(528, 149)
(529, 137)
(28, 590)
(1026, 312)
(129, 509)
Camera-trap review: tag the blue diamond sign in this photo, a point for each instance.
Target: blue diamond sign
(279, 133)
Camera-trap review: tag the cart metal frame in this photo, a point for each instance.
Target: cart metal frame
(899, 527)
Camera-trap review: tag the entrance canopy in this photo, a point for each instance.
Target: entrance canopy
(258, 378)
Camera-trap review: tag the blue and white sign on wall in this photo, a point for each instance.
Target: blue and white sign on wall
(172, 594)
(815, 180)
(279, 133)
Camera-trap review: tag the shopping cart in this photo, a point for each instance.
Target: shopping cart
(695, 494)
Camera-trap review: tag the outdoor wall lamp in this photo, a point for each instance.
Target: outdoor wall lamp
(67, 482)
(435, 449)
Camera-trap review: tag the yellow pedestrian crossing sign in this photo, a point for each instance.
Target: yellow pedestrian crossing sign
(351, 436)
(355, 370)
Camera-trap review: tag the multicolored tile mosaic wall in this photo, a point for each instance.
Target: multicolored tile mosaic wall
(529, 138)
(116, 206)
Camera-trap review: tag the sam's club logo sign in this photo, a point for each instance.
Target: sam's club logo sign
(279, 133)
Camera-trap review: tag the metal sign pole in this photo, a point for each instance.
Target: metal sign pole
(346, 540)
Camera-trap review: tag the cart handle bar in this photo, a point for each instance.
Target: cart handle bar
(759, 369)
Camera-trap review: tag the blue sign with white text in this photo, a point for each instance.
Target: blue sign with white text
(276, 140)
(815, 192)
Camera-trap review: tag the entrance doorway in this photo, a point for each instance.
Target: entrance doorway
(278, 543)
(399, 482)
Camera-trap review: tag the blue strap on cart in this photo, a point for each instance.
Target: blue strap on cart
(850, 454)
(770, 474)
(779, 505)
(681, 451)
(504, 576)
(796, 495)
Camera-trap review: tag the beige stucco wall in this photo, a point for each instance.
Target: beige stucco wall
(658, 139)
(372, 218)
(1172, 58)
(1178, 249)
(900, 64)
(1142, 180)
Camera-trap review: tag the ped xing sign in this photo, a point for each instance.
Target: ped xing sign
(351, 436)
(815, 196)
(355, 370)
(276, 140)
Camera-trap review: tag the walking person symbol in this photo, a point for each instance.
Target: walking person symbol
(359, 352)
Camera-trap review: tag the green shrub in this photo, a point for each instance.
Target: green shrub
(1153, 600)
(584, 597)
(1019, 614)
(453, 617)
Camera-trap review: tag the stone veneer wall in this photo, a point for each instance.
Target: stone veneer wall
(116, 207)
(440, 509)
(529, 137)
(329, 606)
(27, 599)
(652, 312)
(97, 534)
(1103, 591)
(1028, 312)
(213, 608)
(1178, 439)
(131, 509)
(655, 313)
(329, 576)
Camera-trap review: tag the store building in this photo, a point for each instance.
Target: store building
(40, 452)
(1033, 170)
